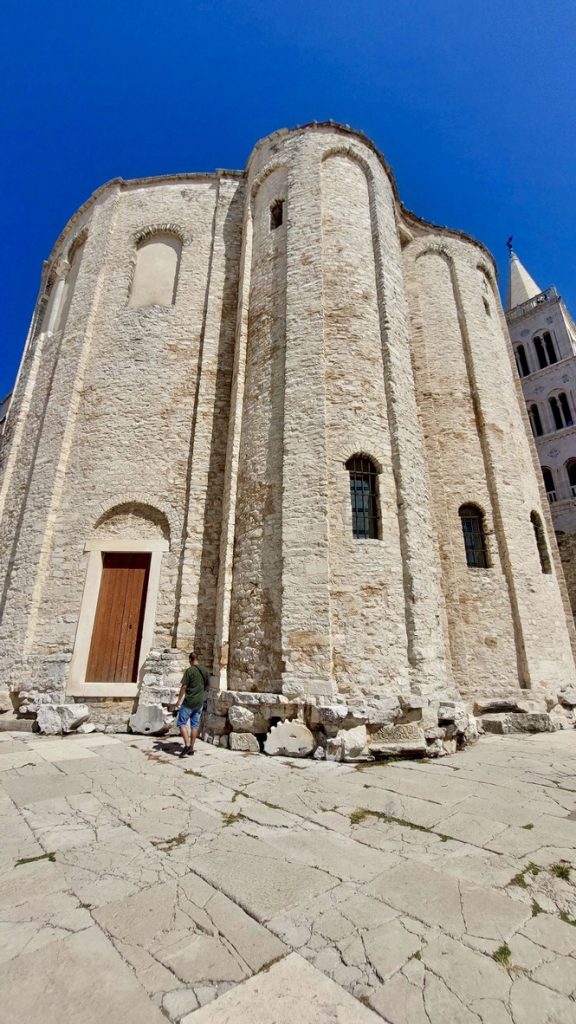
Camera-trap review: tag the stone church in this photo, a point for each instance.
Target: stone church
(273, 416)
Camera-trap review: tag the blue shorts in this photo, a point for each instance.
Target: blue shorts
(189, 716)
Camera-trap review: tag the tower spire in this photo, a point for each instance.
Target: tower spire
(521, 286)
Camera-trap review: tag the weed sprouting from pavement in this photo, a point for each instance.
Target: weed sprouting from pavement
(167, 845)
(561, 870)
(502, 955)
(31, 860)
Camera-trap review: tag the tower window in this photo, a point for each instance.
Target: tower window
(540, 537)
(472, 520)
(540, 353)
(522, 362)
(276, 214)
(535, 421)
(571, 470)
(561, 411)
(549, 484)
(550, 350)
(363, 495)
(564, 406)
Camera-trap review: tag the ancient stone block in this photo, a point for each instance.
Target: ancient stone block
(567, 698)
(241, 741)
(56, 719)
(397, 740)
(149, 721)
(241, 719)
(290, 739)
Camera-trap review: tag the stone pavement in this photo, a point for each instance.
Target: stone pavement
(135, 887)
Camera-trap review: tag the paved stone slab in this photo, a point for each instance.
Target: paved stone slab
(290, 991)
(57, 985)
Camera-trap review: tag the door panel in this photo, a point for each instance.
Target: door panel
(117, 632)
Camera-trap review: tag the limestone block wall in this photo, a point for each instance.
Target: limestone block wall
(479, 452)
(198, 373)
(255, 639)
(360, 616)
(369, 636)
(135, 418)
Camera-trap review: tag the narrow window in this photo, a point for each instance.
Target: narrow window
(156, 272)
(522, 362)
(550, 350)
(541, 542)
(363, 496)
(571, 470)
(558, 421)
(540, 353)
(549, 484)
(565, 408)
(535, 421)
(276, 214)
(472, 520)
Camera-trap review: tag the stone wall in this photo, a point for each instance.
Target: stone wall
(215, 428)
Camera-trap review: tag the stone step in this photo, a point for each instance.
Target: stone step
(10, 724)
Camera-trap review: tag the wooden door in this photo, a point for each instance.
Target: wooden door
(117, 632)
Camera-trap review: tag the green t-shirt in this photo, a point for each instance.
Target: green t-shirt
(195, 679)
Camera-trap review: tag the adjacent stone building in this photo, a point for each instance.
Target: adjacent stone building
(272, 415)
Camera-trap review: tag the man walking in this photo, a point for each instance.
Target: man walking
(190, 701)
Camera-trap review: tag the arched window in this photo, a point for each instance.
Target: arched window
(565, 409)
(540, 353)
(472, 520)
(561, 411)
(364, 497)
(156, 272)
(571, 471)
(549, 483)
(521, 361)
(549, 345)
(541, 542)
(535, 421)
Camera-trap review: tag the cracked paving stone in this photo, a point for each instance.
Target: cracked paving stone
(61, 968)
(291, 990)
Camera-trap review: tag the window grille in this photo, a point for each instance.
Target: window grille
(472, 520)
(363, 495)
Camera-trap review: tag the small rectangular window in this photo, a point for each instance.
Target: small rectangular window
(276, 214)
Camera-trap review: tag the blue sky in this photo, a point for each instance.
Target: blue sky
(472, 103)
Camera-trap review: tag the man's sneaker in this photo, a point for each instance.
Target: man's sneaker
(184, 752)
(190, 751)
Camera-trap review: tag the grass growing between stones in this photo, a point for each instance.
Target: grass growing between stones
(361, 813)
(528, 826)
(502, 955)
(561, 870)
(31, 860)
(520, 879)
(536, 909)
(229, 818)
(567, 919)
(167, 845)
